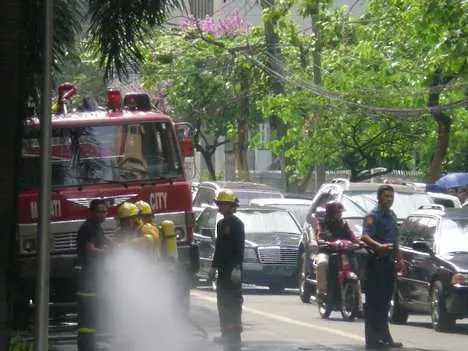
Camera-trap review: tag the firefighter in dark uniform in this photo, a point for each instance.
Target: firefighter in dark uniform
(91, 242)
(227, 261)
(380, 233)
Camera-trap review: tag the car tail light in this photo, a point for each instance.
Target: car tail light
(190, 224)
(459, 279)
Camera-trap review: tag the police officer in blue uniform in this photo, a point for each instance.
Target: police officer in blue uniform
(380, 233)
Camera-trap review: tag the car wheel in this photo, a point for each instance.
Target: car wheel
(441, 320)
(305, 290)
(214, 282)
(397, 314)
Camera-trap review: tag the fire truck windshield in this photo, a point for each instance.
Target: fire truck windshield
(102, 154)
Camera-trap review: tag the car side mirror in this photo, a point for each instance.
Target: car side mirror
(208, 232)
(421, 246)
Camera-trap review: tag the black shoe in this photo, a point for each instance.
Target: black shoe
(394, 345)
(377, 345)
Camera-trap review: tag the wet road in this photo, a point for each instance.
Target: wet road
(282, 322)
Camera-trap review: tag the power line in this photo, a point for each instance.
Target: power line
(319, 91)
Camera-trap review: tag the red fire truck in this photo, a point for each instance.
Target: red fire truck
(126, 152)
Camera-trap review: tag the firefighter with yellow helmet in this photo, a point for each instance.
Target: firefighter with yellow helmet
(129, 226)
(227, 263)
(147, 227)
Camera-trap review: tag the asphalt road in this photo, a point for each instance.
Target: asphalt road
(283, 322)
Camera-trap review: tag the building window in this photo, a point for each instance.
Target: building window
(201, 8)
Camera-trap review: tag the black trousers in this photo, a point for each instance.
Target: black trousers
(87, 311)
(230, 300)
(379, 289)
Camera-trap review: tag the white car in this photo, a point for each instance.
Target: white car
(446, 200)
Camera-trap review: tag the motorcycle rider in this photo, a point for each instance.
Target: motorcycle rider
(329, 228)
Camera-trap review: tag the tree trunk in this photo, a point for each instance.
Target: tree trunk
(243, 129)
(444, 123)
(208, 157)
(11, 92)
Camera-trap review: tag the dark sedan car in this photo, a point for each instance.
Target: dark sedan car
(272, 238)
(434, 245)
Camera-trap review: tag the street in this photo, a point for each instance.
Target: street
(282, 322)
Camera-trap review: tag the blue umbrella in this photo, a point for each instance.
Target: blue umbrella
(453, 180)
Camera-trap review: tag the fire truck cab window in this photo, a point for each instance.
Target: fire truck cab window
(101, 154)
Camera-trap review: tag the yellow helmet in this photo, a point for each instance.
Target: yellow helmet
(227, 195)
(127, 209)
(144, 207)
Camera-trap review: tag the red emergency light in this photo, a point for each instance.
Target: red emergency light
(114, 100)
(66, 91)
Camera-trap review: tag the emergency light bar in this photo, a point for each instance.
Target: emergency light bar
(137, 102)
(66, 91)
(114, 100)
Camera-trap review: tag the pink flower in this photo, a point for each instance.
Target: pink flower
(218, 27)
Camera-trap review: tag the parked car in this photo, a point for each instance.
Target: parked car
(434, 245)
(245, 191)
(446, 200)
(438, 197)
(407, 198)
(272, 238)
(298, 207)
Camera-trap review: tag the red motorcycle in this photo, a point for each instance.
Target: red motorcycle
(344, 290)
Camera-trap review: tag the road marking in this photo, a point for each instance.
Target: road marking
(288, 320)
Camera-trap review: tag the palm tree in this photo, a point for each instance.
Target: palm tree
(116, 28)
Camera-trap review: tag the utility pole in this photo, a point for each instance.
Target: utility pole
(42, 287)
(317, 69)
(276, 66)
(274, 63)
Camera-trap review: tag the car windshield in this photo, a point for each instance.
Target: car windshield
(101, 154)
(268, 222)
(299, 211)
(454, 236)
(404, 203)
(351, 208)
(245, 196)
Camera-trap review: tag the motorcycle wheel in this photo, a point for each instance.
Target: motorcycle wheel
(324, 309)
(349, 300)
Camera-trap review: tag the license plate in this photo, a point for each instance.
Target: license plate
(279, 270)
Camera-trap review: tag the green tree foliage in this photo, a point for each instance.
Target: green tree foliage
(378, 75)
(206, 77)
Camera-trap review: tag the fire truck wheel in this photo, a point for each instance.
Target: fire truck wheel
(21, 314)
